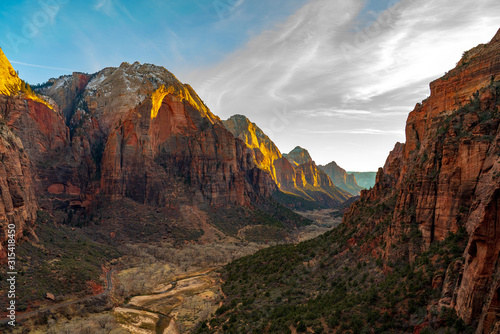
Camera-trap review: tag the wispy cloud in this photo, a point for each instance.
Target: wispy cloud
(357, 132)
(41, 66)
(350, 74)
(112, 8)
(105, 6)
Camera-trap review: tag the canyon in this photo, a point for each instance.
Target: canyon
(423, 242)
(132, 158)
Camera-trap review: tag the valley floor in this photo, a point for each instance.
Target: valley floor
(164, 288)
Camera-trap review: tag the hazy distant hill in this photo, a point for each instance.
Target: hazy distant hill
(341, 179)
(364, 179)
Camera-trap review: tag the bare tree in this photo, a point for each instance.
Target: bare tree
(103, 319)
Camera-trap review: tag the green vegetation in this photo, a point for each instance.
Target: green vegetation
(40, 86)
(270, 221)
(335, 282)
(63, 262)
(295, 201)
(474, 114)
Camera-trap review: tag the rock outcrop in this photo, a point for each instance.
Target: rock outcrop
(146, 133)
(18, 204)
(341, 179)
(147, 153)
(446, 177)
(266, 153)
(298, 156)
(295, 173)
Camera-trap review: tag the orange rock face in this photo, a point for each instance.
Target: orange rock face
(128, 133)
(40, 128)
(447, 175)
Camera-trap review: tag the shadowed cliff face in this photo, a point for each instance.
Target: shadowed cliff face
(294, 173)
(446, 177)
(17, 203)
(341, 179)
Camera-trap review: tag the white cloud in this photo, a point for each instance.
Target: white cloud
(349, 75)
(358, 132)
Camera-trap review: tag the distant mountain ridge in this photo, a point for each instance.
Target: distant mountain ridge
(302, 184)
(341, 178)
(364, 179)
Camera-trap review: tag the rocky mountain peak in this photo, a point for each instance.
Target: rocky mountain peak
(304, 181)
(249, 132)
(111, 93)
(298, 156)
(340, 178)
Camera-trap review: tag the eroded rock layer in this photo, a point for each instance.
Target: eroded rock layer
(447, 177)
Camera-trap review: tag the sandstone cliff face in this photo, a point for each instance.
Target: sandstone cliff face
(146, 134)
(446, 176)
(265, 151)
(9, 81)
(300, 177)
(18, 204)
(312, 180)
(40, 128)
(318, 185)
(146, 156)
(66, 90)
(341, 179)
(59, 166)
(266, 154)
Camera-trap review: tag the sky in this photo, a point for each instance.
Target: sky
(337, 77)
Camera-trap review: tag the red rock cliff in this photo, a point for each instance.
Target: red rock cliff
(447, 176)
(18, 204)
(149, 153)
(145, 133)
